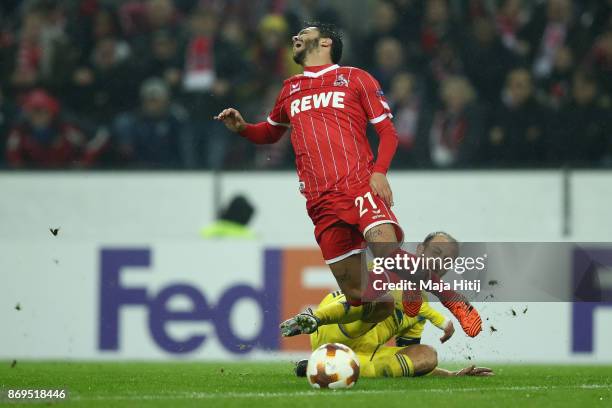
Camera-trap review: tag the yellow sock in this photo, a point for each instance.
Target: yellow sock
(338, 312)
(398, 365)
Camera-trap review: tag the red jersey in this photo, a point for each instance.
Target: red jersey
(328, 109)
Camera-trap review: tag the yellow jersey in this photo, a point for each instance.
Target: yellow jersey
(368, 340)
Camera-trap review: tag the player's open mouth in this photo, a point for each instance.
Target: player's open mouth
(297, 45)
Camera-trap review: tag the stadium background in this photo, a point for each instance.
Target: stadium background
(503, 112)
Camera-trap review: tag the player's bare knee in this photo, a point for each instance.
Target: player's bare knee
(429, 361)
(432, 356)
(424, 358)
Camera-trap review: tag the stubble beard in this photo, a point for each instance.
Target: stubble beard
(309, 46)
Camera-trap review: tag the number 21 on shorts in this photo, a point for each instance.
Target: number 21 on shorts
(361, 201)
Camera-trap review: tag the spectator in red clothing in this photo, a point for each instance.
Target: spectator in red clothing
(44, 140)
(201, 56)
(510, 18)
(28, 51)
(212, 73)
(553, 25)
(41, 54)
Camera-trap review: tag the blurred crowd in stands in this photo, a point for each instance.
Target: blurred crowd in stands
(135, 84)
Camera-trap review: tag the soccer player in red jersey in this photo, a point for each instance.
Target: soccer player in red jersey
(347, 194)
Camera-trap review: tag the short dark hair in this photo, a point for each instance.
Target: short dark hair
(329, 30)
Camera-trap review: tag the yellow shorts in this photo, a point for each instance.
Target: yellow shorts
(375, 362)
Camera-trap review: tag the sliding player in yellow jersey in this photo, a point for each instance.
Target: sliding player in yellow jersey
(408, 358)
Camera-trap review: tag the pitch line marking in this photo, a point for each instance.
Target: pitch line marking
(213, 395)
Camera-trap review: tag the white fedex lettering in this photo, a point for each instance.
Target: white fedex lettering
(321, 100)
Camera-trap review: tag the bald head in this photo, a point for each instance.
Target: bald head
(440, 245)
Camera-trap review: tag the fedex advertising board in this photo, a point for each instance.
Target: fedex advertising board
(225, 300)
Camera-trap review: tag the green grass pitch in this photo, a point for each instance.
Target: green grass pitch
(255, 385)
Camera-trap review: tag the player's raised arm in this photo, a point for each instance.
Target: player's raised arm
(379, 115)
(259, 133)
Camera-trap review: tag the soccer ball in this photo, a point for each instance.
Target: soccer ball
(334, 366)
